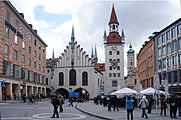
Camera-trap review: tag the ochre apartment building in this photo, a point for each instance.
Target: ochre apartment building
(145, 63)
(22, 54)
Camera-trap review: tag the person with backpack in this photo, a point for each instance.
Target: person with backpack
(55, 102)
(143, 105)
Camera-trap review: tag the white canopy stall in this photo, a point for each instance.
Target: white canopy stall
(150, 91)
(125, 91)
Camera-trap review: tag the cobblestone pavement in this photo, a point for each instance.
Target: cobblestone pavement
(101, 112)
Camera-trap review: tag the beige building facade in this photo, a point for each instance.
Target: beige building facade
(22, 55)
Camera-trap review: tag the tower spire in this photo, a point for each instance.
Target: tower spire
(53, 58)
(92, 53)
(72, 35)
(95, 54)
(113, 18)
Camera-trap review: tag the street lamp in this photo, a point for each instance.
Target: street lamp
(84, 93)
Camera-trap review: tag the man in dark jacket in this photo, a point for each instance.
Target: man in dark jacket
(173, 107)
(55, 102)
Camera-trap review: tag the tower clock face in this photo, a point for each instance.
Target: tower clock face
(114, 47)
(114, 63)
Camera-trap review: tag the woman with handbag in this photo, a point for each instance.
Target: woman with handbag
(163, 105)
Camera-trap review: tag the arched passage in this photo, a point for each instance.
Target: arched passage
(63, 92)
(84, 94)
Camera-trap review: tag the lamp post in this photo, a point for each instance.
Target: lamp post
(84, 93)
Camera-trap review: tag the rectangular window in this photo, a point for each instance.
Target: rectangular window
(23, 45)
(24, 32)
(29, 61)
(110, 52)
(159, 41)
(34, 65)
(15, 54)
(169, 48)
(179, 29)
(173, 31)
(179, 44)
(163, 38)
(46, 81)
(23, 73)
(8, 15)
(114, 74)
(110, 67)
(35, 53)
(118, 60)
(16, 39)
(30, 37)
(6, 68)
(168, 35)
(114, 83)
(110, 75)
(30, 75)
(7, 32)
(159, 64)
(117, 52)
(174, 61)
(118, 67)
(179, 59)
(174, 46)
(6, 49)
(110, 60)
(29, 49)
(39, 67)
(164, 50)
(118, 74)
(35, 77)
(16, 70)
(23, 58)
(169, 62)
(159, 52)
(17, 25)
(164, 63)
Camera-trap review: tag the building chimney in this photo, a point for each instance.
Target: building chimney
(31, 26)
(35, 31)
(22, 15)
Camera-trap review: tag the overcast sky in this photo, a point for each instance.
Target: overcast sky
(53, 20)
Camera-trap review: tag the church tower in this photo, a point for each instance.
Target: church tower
(130, 59)
(114, 54)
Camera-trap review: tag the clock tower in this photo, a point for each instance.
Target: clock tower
(114, 55)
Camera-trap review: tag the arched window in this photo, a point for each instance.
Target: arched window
(84, 79)
(61, 79)
(72, 77)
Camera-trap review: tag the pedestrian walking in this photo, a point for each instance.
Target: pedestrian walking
(55, 102)
(143, 105)
(61, 100)
(115, 103)
(108, 103)
(150, 100)
(163, 102)
(129, 107)
(179, 105)
(71, 102)
(173, 107)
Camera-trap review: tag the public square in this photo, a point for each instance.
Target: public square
(13, 110)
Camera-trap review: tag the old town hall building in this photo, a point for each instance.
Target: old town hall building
(75, 71)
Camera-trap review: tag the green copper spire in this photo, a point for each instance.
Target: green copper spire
(72, 35)
(53, 57)
(92, 53)
(95, 54)
(130, 49)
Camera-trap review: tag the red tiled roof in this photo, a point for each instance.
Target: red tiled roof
(101, 66)
(114, 37)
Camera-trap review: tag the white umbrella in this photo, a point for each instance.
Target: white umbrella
(150, 91)
(157, 86)
(125, 91)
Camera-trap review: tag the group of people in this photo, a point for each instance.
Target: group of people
(57, 102)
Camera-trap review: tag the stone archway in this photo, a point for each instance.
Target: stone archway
(63, 92)
(84, 94)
